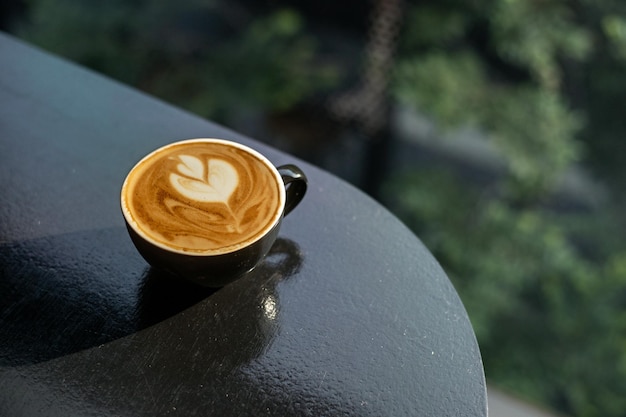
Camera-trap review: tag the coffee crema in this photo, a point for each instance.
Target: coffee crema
(203, 197)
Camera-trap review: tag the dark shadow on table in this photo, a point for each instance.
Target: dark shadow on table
(65, 293)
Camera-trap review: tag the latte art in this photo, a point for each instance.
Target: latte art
(213, 182)
(204, 197)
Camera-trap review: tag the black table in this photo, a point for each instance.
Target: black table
(349, 314)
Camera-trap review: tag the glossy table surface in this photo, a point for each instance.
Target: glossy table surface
(349, 314)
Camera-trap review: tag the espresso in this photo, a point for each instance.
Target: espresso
(203, 197)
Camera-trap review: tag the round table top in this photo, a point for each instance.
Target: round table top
(348, 315)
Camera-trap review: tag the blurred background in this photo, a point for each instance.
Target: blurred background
(496, 130)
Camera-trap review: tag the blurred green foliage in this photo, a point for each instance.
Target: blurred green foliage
(545, 288)
(542, 79)
(451, 79)
(213, 58)
(549, 318)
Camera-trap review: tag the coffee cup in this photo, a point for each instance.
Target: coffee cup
(208, 210)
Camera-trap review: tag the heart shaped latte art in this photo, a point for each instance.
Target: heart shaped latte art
(210, 182)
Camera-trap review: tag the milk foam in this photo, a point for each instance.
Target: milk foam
(210, 182)
(203, 197)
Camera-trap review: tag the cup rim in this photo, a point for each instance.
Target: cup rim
(207, 252)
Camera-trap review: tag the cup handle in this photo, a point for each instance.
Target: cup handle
(295, 185)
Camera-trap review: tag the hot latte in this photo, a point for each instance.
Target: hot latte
(205, 197)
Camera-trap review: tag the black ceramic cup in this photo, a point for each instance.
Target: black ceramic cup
(212, 266)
